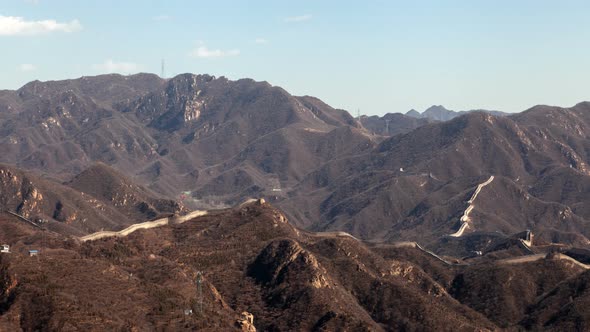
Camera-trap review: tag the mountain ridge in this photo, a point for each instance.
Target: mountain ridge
(253, 263)
(208, 141)
(440, 113)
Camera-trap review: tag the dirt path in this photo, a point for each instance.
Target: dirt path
(462, 229)
(411, 244)
(536, 257)
(465, 218)
(522, 259)
(513, 260)
(573, 260)
(333, 235)
(188, 216)
(479, 188)
(143, 225)
(24, 219)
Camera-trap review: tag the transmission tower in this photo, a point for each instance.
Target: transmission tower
(387, 126)
(200, 292)
(163, 69)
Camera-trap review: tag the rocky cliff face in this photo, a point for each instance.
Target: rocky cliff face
(182, 101)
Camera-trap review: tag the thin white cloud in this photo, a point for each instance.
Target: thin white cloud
(110, 66)
(160, 18)
(260, 41)
(27, 67)
(204, 52)
(15, 26)
(297, 19)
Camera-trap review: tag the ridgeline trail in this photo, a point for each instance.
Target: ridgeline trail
(465, 218)
(144, 225)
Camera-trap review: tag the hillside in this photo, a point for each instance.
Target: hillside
(563, 308)
(192, 133)
(416, 185)
(392, 123)
(254, 263)
(209, 142)
(106, 184)
(91, 202)
(440, 113)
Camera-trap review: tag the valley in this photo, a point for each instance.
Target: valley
(296, 215)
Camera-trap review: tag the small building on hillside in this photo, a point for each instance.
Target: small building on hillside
(5, 248)
(33, 252)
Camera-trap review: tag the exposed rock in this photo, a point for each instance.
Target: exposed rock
(246, 322)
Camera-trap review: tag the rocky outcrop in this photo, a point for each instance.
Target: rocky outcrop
(246, 322)
(182, 101)
(8, 285)
(19, 194)
(285, 261)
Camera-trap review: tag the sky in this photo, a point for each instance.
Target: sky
(373, 56)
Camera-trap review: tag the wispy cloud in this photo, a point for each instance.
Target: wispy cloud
(297, 19)
(27, 67)
(203, 51)
(260, 41)
(110, 66)
(14, 26)
(160, 18)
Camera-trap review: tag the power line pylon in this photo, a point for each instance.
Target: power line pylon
(199, 292)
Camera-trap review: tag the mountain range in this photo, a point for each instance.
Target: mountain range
(440, 113)
(247, 268)
(210, 142)
(292, 214)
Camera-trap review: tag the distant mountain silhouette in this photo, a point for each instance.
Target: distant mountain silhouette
(392, 123)
(440, 113)
(413, 113)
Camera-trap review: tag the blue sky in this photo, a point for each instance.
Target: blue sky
(379, 56)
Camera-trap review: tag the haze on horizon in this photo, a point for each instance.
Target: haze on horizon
(376, 56)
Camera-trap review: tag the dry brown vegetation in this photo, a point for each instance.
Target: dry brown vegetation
(254, 261)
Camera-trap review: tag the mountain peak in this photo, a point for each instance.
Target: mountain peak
(413, 113)
(436, 108)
